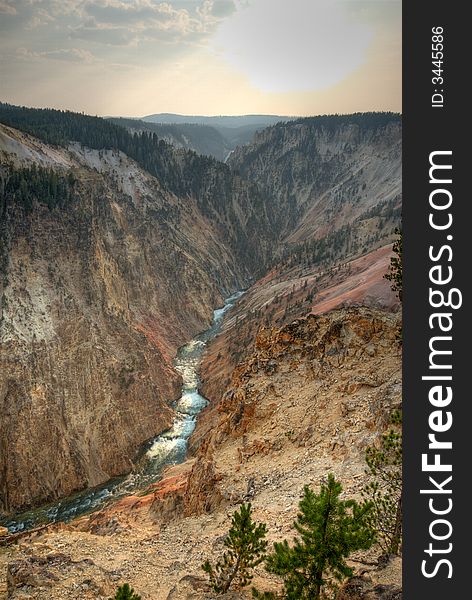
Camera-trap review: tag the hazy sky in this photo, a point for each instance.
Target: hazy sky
(136, 57)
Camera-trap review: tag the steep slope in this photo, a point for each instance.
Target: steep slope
(99, 287)
(116, 247)
(307, 401)
(311, 395)
(284, 295)
(325, 173)
(335, 182)
(238, 210)
(233, 130)
(202, 139)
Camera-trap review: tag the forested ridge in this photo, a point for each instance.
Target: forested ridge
(204, 139)
(180, 172)
(246, 211)
(239, 209)
(364, 120)
(24, 186)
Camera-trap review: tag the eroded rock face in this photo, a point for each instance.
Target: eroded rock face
(362, 588)
(308, 168)
(96, 297)
(326, 384)
(34, 577)
(283, 296)
(202, 493)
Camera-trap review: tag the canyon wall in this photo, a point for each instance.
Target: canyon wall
(325, 173)
(99, 288)
(97, 295)
(308, 399)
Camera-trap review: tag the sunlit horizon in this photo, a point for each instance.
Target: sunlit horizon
(134, 58)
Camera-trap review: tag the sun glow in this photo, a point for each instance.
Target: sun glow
(300, 45)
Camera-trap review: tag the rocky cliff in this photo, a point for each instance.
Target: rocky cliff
(287, 294)
(326, 173)
(336, 189)
(311, 395)
(97, 294)
(102, 280)
(308, 400)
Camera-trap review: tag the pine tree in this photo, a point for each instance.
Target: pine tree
(384, 491)
(330, 529)
(125, 592)
(246, 546)
(395, 274)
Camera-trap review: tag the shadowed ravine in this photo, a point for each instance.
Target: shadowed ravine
(169, 447)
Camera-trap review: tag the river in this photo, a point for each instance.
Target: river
(170, 447)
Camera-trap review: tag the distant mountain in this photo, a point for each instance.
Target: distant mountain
(202, 139)
(233, 131)
(217, 121)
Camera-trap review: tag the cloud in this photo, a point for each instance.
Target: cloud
(77, 55)
(117, 12)
(135, 16)
(39, 19)
(114, 36)
(218, 9)
(113, 23)
(7, 8)
(71, 55)
(298, 46)
(24, 53)
(120, 23)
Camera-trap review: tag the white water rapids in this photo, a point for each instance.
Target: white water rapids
(170, 447)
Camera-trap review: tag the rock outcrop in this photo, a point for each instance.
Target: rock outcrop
(325, 172)
(315, 392)
(380, 583)
(96, 298)
(37, 575)
(285, 295)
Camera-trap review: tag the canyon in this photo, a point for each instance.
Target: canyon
(308, 400)
(91, 319)
(100, 290)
